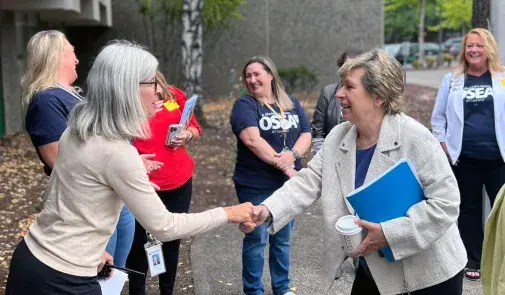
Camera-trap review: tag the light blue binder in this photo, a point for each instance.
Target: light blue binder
(389, 196)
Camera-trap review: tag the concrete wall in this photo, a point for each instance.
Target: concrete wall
(292, 33)
(11, 36)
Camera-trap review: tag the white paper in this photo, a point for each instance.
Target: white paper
(115, 284)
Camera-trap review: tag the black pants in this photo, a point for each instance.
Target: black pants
(365, 285)
(472, 175)
(28, 275)
(176, 201)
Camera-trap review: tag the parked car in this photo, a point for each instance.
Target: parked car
(453, 46)
(455, 41)
(395, 50)
(429, 49)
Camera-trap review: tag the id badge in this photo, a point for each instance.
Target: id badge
(155, 259)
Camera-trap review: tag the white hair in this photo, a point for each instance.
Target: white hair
(113, 108)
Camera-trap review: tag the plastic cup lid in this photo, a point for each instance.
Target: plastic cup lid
(346, 226)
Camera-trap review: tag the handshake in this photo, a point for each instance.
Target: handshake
(248, 216)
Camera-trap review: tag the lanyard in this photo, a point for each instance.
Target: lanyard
(284, 124)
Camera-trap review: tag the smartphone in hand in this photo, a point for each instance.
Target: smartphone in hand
(173, 131)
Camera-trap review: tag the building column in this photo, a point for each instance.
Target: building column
(11, 72)
(498, 26)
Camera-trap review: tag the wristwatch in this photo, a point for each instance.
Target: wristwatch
(296, 154)
(190, 136)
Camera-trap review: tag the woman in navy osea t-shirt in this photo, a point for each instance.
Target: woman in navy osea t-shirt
(272, 133)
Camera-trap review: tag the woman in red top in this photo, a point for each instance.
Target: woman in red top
(174, 179)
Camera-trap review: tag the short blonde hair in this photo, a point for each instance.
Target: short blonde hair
(278, 90)
(43, 56)
(493, 60)
(383, 77)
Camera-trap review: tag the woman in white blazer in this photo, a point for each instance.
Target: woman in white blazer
(469, 122)
(426, 245)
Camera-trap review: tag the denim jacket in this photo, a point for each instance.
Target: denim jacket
(447, 119)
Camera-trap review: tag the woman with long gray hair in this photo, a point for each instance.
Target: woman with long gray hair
(96, 171)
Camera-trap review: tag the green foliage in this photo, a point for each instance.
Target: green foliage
(153, 8)
(298, 78)
(221, 12)
(447, 58)
(401, 25)
(456, 14)
(417, 64)
(214, 12)
(430, 61)
(402, 17)
(401, 21)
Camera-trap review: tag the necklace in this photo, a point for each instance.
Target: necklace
(71, 92)
(366, 144)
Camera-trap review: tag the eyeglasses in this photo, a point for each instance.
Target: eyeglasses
(151, 83)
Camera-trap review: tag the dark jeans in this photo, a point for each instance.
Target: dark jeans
(472, 175)
(28, 275)
(365, 285)
(176, 201)
(253, 250)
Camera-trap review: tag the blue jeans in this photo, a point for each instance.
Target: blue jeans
(121, 240)
(253, 249)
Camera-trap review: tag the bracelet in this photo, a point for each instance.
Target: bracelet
(190, 136)
(296, 154)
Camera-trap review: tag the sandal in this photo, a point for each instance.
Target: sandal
(469, 274)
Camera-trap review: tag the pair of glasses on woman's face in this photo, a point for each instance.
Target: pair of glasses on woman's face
(151, 83)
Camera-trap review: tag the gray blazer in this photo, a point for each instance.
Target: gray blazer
(426, 243)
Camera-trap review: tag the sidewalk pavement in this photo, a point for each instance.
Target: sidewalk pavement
(216, 261)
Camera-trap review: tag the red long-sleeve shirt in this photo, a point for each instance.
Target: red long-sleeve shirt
(178, 165)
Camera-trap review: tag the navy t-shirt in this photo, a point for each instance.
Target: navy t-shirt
(248, 112)
(479, 136)
(47, 116)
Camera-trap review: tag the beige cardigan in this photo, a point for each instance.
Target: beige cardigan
(426, 243)
(83, 200)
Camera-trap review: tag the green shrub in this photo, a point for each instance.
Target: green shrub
(237, 88)
(298, 78)
(431, 61)
(448, 58)
(417, 64)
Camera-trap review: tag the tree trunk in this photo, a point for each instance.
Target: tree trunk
(192, 52)
(481, 13)
(421, 32)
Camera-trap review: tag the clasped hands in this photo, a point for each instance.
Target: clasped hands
(374, 240)
(284, 161)
(248, 216)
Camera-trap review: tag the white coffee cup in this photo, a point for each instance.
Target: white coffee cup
(350, 232)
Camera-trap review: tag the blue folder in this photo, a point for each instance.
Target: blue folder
(389, 196)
